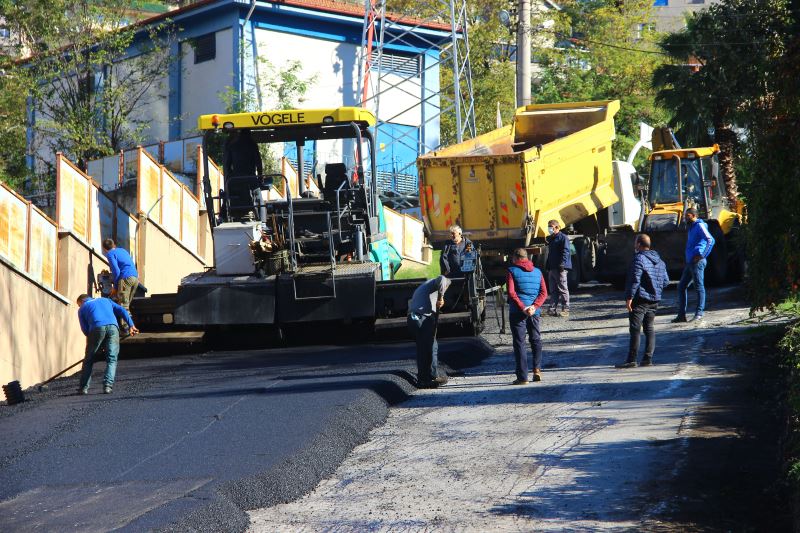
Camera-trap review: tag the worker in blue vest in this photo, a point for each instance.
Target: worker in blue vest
(527, 293)
(99, 319)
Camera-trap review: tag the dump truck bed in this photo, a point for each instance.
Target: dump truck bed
(552, 162)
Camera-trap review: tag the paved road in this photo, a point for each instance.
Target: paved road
(680, 446)
(192, 441)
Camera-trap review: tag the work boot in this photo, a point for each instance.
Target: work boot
(441, 380)
(564, 313)
(427, 383)
(83, 391)
(646, 361)
(106, 389)
(520, 382)
(695, 318)
(679, 318)
(537, 374)
(552, 312)
(630, 363)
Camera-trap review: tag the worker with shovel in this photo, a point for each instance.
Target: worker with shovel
(99, 319)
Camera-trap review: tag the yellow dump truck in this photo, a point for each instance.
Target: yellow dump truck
(552, 162)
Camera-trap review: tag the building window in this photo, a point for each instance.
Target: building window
(205, 47)
(642, 29)
(661, 3)
(5, 33)
(695, 1)
(408, 66)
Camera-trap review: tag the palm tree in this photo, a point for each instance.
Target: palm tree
(695, 87)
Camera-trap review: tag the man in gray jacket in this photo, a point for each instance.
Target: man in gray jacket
(423, 314)
(647, 277)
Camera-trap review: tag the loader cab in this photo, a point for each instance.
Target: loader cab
(680, 179)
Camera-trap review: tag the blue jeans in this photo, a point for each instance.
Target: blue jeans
(423, 329)
(101, 339)
(522, 325)
(693, 273)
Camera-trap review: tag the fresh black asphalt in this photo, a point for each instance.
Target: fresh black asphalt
(191, 442)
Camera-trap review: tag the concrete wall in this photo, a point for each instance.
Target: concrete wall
(163, 260)
(39, 330)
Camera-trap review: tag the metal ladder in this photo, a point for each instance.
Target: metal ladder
(332, 271)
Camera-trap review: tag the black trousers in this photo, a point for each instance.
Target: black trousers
(642, 316)
(522, 325)
(423, 330)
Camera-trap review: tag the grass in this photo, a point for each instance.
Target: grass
(422, 271)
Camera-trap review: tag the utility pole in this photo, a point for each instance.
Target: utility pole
(524, 53)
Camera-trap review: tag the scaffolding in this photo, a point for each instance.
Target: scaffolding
(382, 71)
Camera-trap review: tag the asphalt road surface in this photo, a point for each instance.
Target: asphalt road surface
(690, 444)
(191, 442)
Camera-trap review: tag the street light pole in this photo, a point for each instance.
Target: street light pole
(524, 53)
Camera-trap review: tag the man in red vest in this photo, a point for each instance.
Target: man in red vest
(527, 293)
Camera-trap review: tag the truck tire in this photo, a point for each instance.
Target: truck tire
(574, 276)
(586, 256)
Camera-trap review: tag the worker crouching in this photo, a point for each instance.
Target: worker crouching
(99, 319)
(527, 293)
(423, 316)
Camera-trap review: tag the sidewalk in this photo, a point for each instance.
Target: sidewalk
(590, 447)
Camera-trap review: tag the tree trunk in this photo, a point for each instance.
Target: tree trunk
(727, 140)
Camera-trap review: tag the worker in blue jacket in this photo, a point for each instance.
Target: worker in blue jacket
(699, 243)
(99, 318)
(124, 275)
(647, 278)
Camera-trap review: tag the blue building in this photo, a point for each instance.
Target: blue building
(238, 46)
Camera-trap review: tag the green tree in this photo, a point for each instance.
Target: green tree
(87, 95)
(13, 149)
(718, 73)
(601, 50)
(773, 162)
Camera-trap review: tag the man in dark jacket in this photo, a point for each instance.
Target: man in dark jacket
(647, 277)
(559, 262)
(423, 310)
(453, 253)
(526, 294)
(699, 243)
(241, 158)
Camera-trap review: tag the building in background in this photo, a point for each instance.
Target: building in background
(670, 15)
(227, 47)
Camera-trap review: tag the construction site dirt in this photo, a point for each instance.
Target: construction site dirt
(337, 438)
